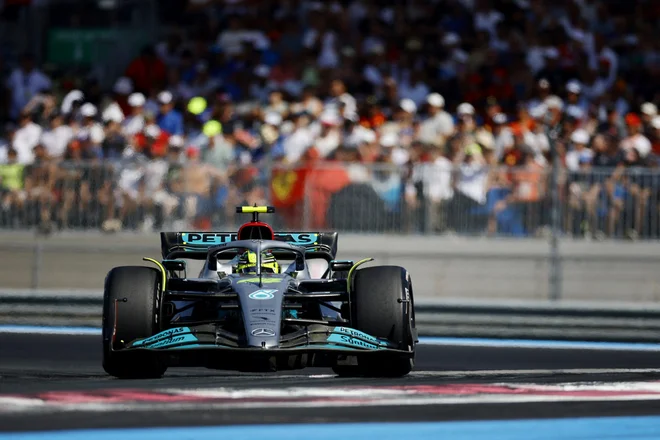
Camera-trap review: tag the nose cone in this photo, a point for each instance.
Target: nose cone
(262, 309)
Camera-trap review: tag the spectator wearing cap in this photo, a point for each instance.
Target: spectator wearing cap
(439, 125)
(340, 101)
(502, 136)
(467, 125)
(119, 107)
(115, 141)
(134, 122)
(169, 119)
(648, 111)
(576, 104)
(354, 133)
(542, 91)
(329, 136)
(90, 129)
(26, 137)
(635, 139)
(579, 153)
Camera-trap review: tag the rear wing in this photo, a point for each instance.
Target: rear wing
(200, 242)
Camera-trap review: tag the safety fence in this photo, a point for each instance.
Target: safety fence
(426, 198)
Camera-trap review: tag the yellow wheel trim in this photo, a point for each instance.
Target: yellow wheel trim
(349, 284)
(161, 268)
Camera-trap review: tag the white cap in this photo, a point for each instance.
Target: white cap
(330, 118)
(88, 110)
(389, 139)
(450, 39)
(176, 141)
(408, 105)
(500, 118)
(123, 86)
(554, 102)
(113, 113)
(273, 118)
(575, 112)
(649, 109)
(436, 100)
(580, 136)
(136, 100)
(655, 122)
(465, 108)
(152, 131)
(262, 70)
(165, 97)
(368, 136)
(552, 53)
(544, 83)
(539, 111)
(573, 87)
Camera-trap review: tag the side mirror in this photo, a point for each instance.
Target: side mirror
(341, 265)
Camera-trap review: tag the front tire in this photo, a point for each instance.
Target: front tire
(130, 302)
(382, 306)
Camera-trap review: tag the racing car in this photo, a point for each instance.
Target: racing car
(261, 301)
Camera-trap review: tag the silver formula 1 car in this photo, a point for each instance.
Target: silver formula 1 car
(262, 301)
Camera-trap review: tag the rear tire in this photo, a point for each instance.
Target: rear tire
(382, 306)
(131, 298)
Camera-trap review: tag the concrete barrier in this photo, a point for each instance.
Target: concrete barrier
(502, 319)
(441, 267)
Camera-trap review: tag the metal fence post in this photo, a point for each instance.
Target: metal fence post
(36, 264)
(555, 276)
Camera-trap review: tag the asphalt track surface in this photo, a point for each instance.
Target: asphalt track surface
(37, 364)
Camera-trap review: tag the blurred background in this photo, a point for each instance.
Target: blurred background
(499, 149)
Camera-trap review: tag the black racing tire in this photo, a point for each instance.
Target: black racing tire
(131, 298)
(382, 306)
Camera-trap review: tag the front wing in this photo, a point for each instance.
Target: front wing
(313, 339)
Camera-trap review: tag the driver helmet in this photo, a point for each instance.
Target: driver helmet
(247, 263)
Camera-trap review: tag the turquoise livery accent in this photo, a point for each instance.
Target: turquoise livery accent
(356, 338)
(216, 238)
(166, 338)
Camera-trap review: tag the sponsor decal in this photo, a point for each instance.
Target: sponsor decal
(170, 333)
(215, 238)
(262, 332)
(356, 338)
(211, 238)
(263, 280)
(263, 294)
(173, 341)
(349, 340)
(263, 311)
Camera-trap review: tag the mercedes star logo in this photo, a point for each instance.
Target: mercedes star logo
(263, 332)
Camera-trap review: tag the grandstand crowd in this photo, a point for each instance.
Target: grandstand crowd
(439, 110)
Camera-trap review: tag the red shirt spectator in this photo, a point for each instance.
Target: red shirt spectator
(147, 72)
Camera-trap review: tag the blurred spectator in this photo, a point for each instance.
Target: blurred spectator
(24, 82)
(351, 105)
